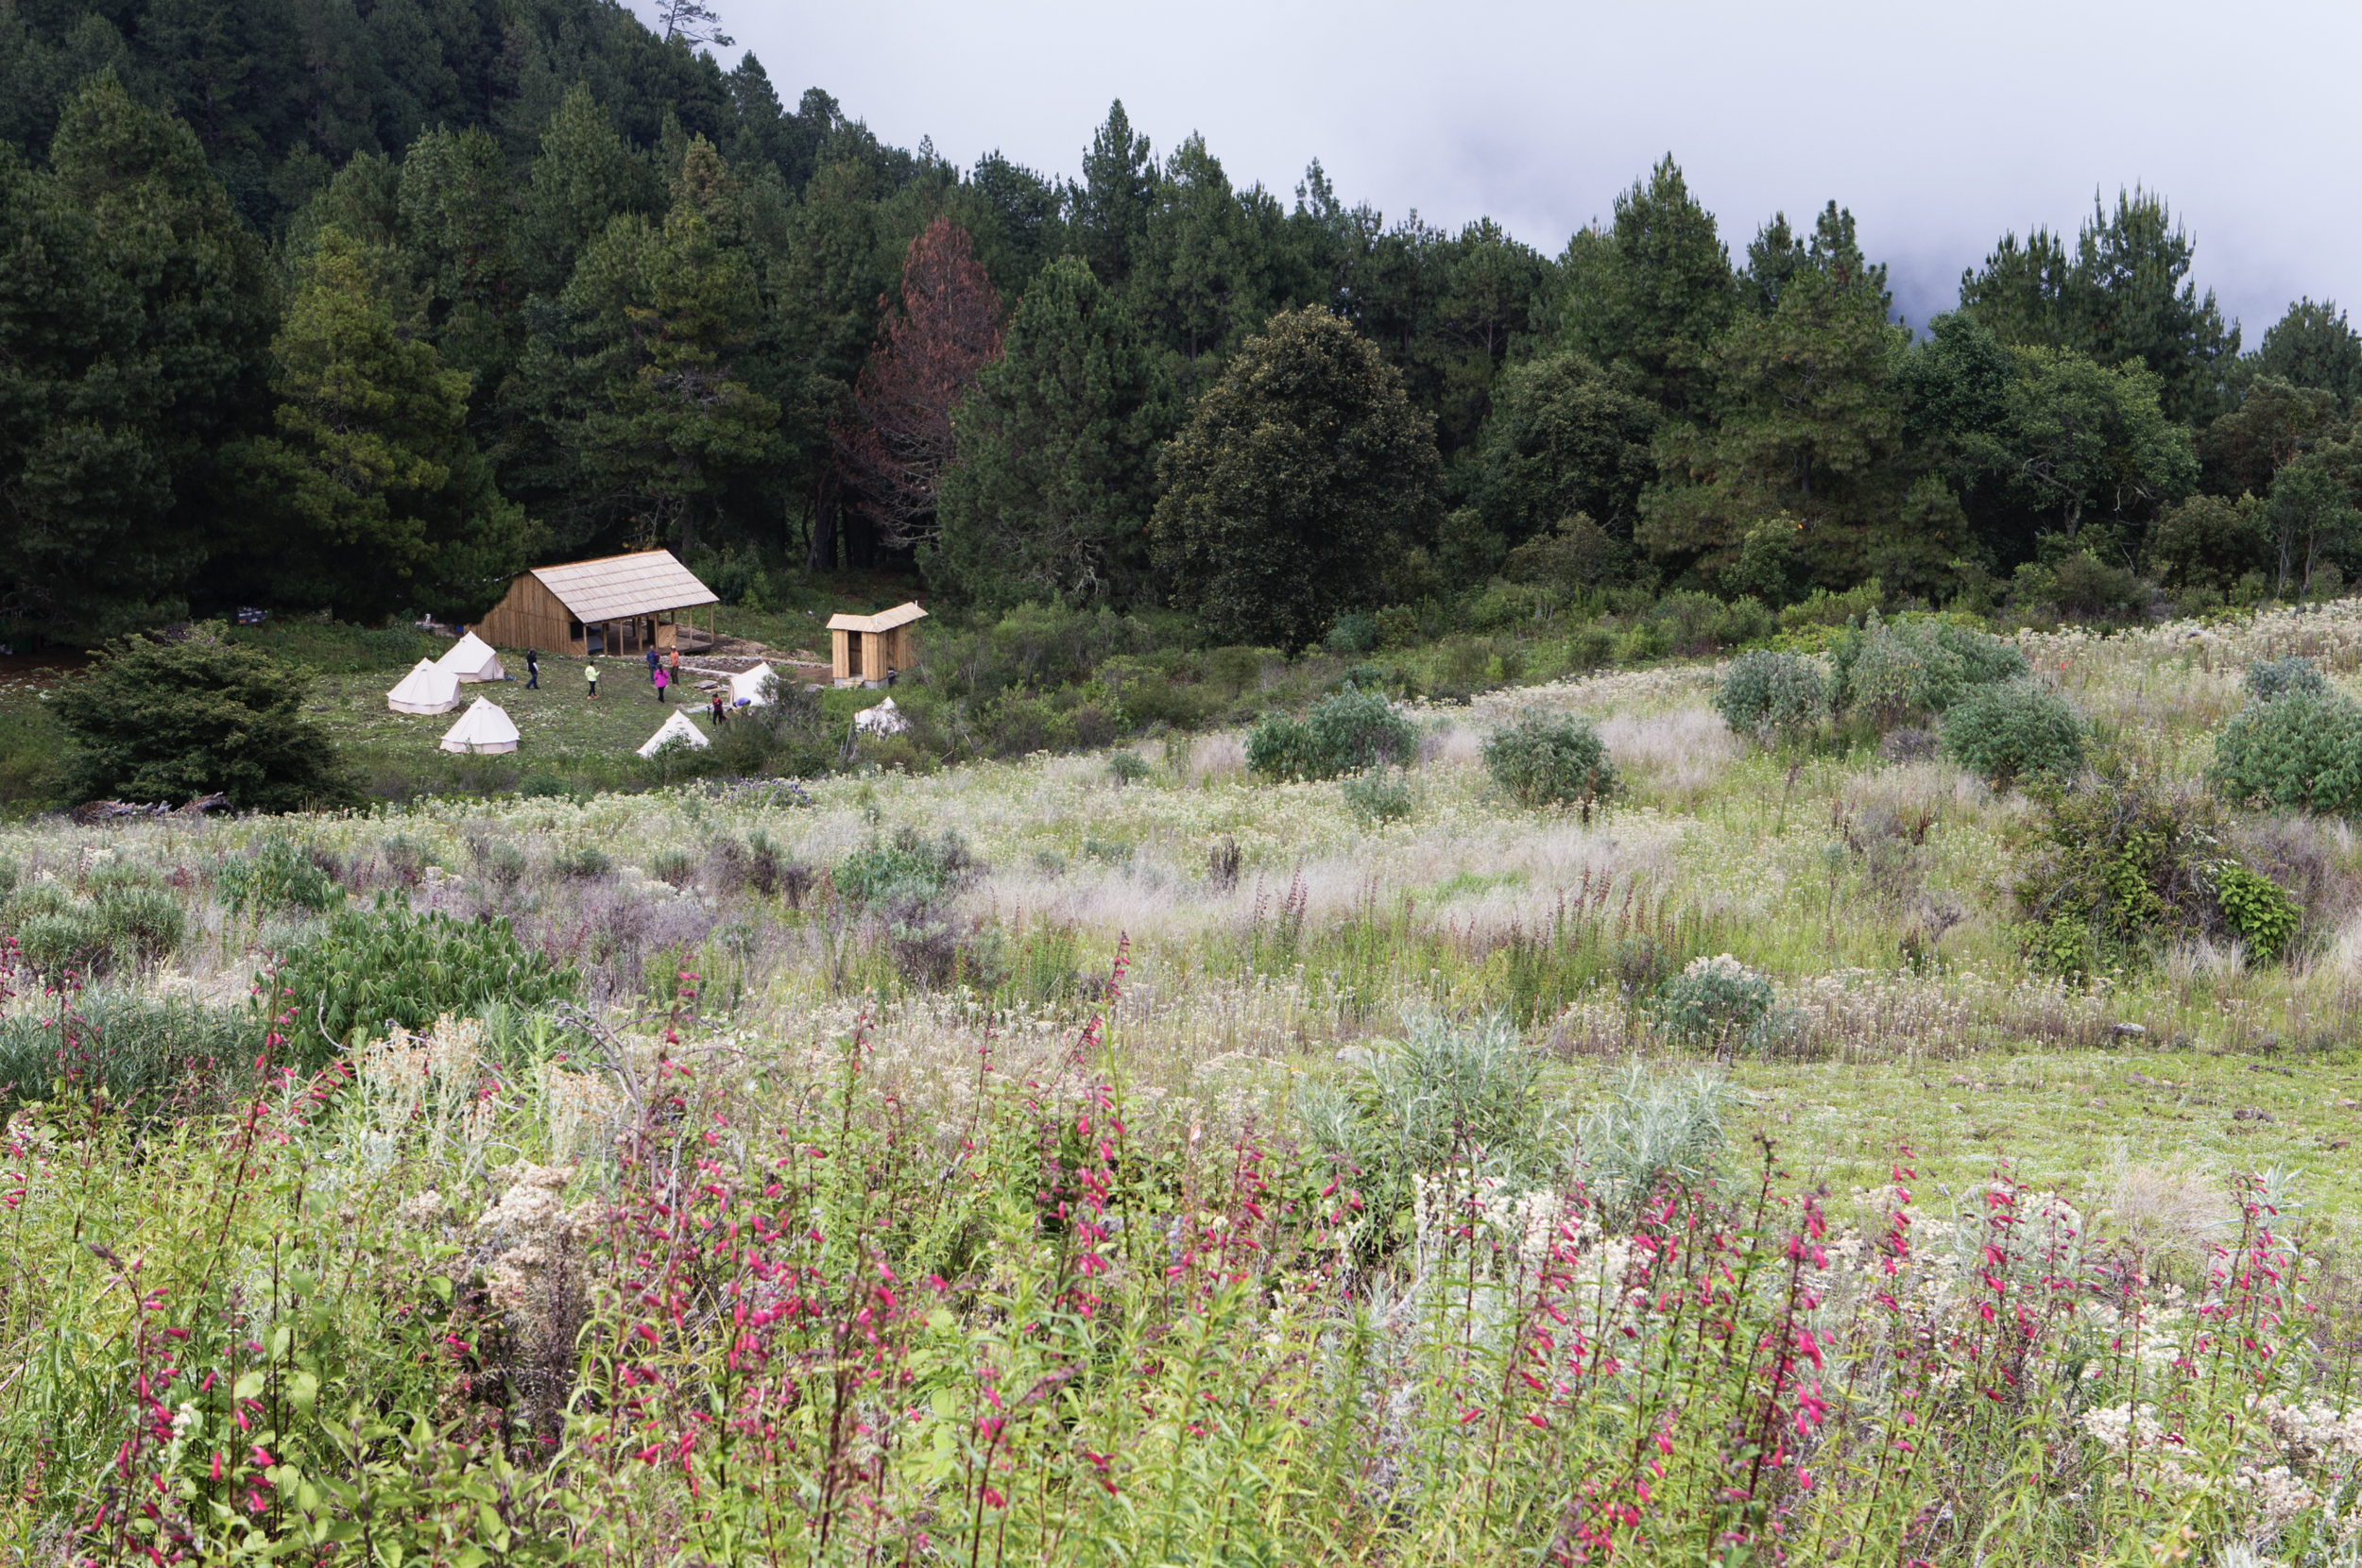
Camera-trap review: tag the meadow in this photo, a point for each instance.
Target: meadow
(1112, 1156)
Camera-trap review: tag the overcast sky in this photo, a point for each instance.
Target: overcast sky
(1939, 126)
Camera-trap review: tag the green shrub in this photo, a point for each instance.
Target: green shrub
(1127, 767)
(2268, 678)
(1551, 760)
(390, 963)
(2300, 749)
(1448, 1098)
(276, 876)
(1716, 1004)
(581, 862)
(141, 923)
(1648, 1130)
(1354, 632)
(1380, 794)
(2126, 863)
(2016, 730)
(1342, 734)
(128, 918)
(159, 720)
(1765, 695)
(1823, 608)
(905, 870)
(137, 1049)
(2259, 908)
(1894, 673)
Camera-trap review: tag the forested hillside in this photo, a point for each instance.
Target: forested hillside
(361, 307)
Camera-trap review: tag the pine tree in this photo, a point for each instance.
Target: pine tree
(1111, 206)
(136, 314)
(1654, 291)
(1057, 443)
(373, 497)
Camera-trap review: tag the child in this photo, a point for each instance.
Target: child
(718, 710)
(662, 681)
(591, 673)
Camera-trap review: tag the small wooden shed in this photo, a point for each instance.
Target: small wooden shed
(864, 647)
(615, 605)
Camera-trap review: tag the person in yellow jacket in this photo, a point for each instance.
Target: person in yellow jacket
(591, 673)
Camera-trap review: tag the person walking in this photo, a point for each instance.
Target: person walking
(652, 657)
(718, 710)
(533, 669)
(664, 682)
(591, 673)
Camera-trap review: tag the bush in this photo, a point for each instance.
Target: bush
(1446, 1098)
(388, 963)
(1354, 632)
(276, 876)
(127, 919)
(1765, 695)
(1551, 760)
(2268, 678)
(2259, 908)
(2126, 863)
(169, 721)
(1127, 767)
(581, 862)
(136, 1048)
(1648, 1132)
(2016, 730)
(1892, 674)
(1823, 608)
(1381, 794)
(905, 870)
(2301, 749)
(1346, 733)
(1716, 1004)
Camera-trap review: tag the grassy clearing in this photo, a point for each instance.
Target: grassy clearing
(1051, 1160)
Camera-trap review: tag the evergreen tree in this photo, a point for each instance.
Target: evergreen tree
(582, 177)
(1301, 470)
(167, 720)
(1808, 436)
(2080, 443)
(1057, 444)
(2125, 292)
(1654, 291)
(2276, 420)
(1111, 205)
(372, 497)
(674, 432)
(134, 315)
(2313, 346)
(1194, 284)
(454, 208)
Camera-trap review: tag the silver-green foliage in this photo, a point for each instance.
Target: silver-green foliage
(1448, 1095)
(1382, 796)
(1551, 760)
(1345, 733)
(2268, 678)
(1766, 694)
(2302, 748)
(1716, 1004)
(1648, 1131)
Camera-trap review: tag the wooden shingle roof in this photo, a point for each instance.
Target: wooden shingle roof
(884, 620)
(617, 588)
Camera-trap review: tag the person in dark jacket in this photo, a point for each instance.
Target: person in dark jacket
(533, 669)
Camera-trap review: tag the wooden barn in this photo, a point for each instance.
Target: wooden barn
(864, 647)
(616, 604)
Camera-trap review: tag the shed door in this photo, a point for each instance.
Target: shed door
(852, 656)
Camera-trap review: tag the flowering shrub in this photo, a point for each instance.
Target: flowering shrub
(1717, 1004)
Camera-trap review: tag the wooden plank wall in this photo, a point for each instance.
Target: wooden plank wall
(529, 615)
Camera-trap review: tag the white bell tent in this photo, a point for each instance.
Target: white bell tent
(483, 727)
(753, 687)
(675, 727)
(426, 690)
(885, 719)
(472, 660)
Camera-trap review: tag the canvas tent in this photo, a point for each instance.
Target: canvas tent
(675, 727)
(885, 719)
(615, 605)
(483, 727)
(747, 684)
(426, 689)
(472, 660)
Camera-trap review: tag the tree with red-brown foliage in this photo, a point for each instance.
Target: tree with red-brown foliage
(948, 328)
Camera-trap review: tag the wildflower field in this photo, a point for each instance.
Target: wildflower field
(1121, 1158)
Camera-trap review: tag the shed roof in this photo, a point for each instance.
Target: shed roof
(616, 587)
(884, 620)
